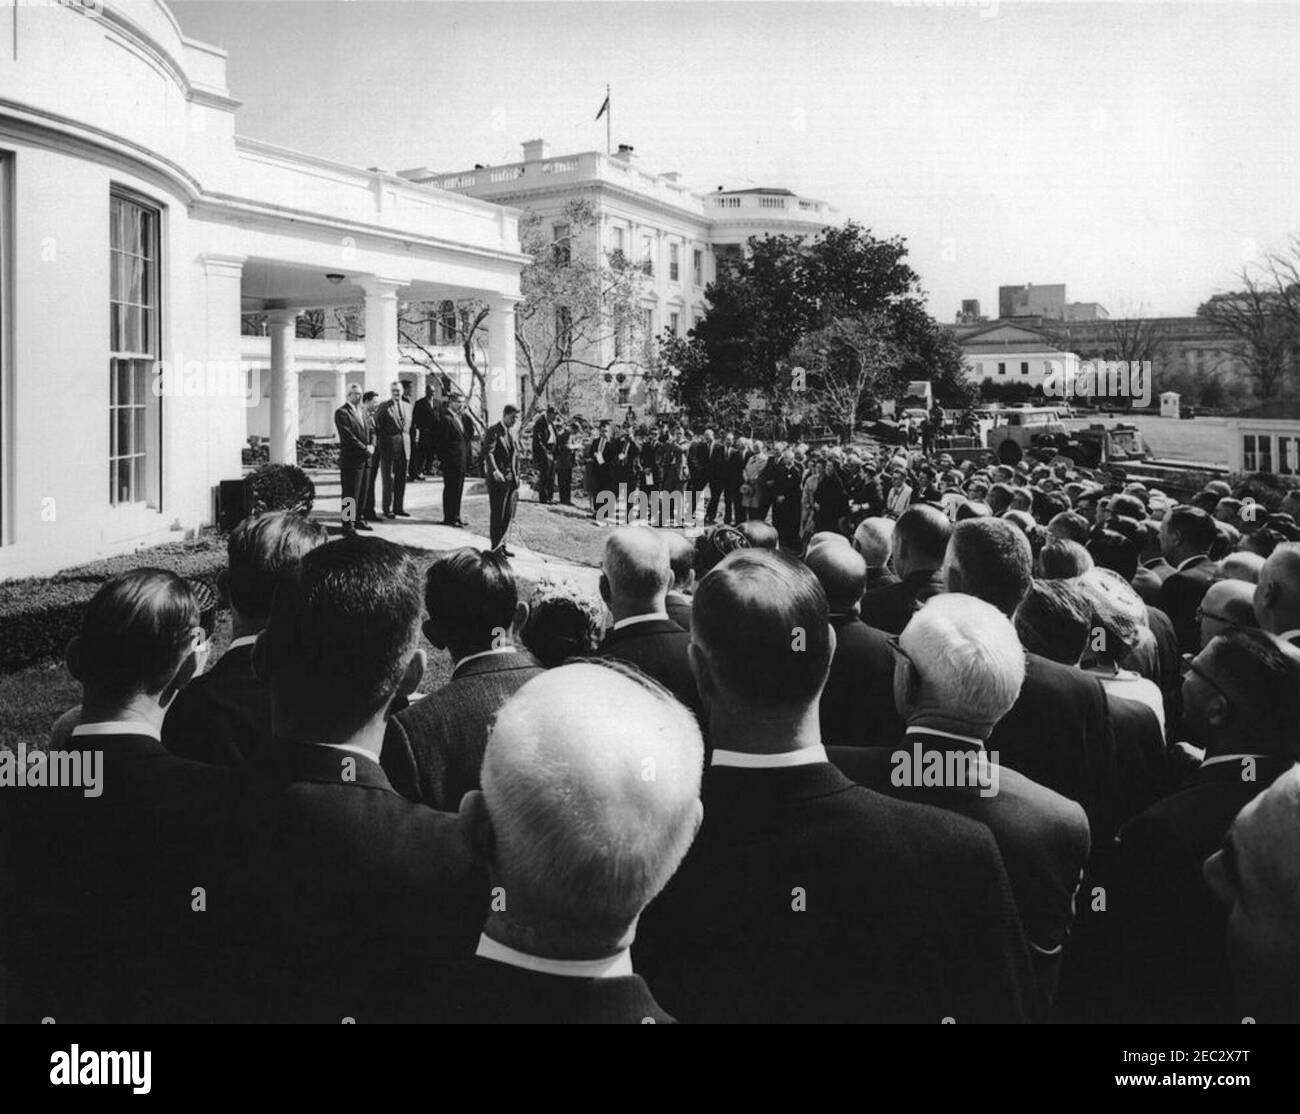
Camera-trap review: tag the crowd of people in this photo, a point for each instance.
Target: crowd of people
(941, 742)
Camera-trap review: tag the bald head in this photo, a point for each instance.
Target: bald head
(827, 537)
(842, 573)
(874, 538)
(1277, 595)
(1227, 605)
(1257, 877)
(591, 781)
(681, 558)
(1241, 566)
(635, 571)
(920, 539)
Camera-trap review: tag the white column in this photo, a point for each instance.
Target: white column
(340, 387)
(381, 332)
(502, 385)
(224, 416)
(282, 323)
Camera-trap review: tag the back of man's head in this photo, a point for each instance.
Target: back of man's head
(989, 558)
(1242, 566)
(591, 781)
(964, 660)
(1187, 531)
(873, 539)
(471, 597)
(1054, 621)
(260, 549)
(842, 573)
(137, 632)
(920, 539)
(1109, 549)
(1227, 604)
(681, 558)
(1277, 595)
(636, 569)
(760, 630)
(1257, 877)
(343, 630)
(1252, 705)
(761, 535)
(1069, 526)
(1060, 559)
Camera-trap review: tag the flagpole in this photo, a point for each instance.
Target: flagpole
(609, 115)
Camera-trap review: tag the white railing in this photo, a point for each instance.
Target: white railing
(506, 174)
(560, 166)
(771, 202)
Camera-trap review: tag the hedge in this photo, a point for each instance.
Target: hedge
(39, 615)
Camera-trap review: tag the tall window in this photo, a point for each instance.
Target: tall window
(134, 409)
(1024, 367)
(1249, 456)
(697, 262)
(674, 262)
(561, 248)
(647, 256)
(674, 323)
(447, 313)
(1002, 369)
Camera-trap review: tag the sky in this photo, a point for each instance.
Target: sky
(1139, 153)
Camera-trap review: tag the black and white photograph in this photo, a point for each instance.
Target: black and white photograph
(654, 513)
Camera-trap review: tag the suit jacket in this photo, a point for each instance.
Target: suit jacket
(433, 750)
(658, 649)
(697, 459)
(1180, 596)
(857, 705)
(806, 898)
(1160, 946)
(1149, 577)
(563, 449)
(890, 608)
(717, 462)
(393, 429)
(355, 431)
(733, 467)
(500, 451)
(1043, 838)
(678, 607)
(223, 716)
(545, 437)
(341, 891)
(452, 441)
(424, 415)
(485, 992)
(96, 893)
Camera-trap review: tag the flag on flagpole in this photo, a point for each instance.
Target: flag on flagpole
(604, 107)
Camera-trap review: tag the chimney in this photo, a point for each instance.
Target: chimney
(624, 152)
(535, 150)
(671, 176)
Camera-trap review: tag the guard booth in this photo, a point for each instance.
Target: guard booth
(1170, 404)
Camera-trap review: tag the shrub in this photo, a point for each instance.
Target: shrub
(281, 487)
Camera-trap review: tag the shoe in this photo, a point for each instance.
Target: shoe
(504, 551)
(462, 524)
(415, 479)
(444, 522)
(365, 526)
(388, 514)
(402, 514)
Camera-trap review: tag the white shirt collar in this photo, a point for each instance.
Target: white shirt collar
(1287, 635)
(482, 654)
(118, 727)
(804, 756)
(618, 965)
(350, 749)
(1231, 758)
(246, 640)
(640, 619)
(1191, 561)
(973, 740)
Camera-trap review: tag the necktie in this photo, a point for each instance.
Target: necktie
(401, 418)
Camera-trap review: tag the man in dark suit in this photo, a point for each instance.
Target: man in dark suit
(919, 542)
(501, 469)
(1277, 595)
(433, 749)
(565, 441)
(1164, 944)
(392, 432)
(546, 436)
(715, 473)
(342, 889)
(681, 561)
(356, 448)
(454, 436)
(424, 421)
(634, 577)
(733, 475)
(959, 671)
(223, 716)
(807, 898)
(370, 403)
(857, 704)
(1186, 535)
(600, 465)
(577, 835)
(697, 462)
(1058, 731)
(100, 860)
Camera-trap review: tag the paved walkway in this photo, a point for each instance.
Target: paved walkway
(424, 529)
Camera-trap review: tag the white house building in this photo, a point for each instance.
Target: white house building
(1006, 353)
(652, 219)
(1266, 438)
(135, 228)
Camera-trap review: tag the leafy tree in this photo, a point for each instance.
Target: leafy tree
(1259, 316)
(845, 362)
